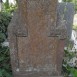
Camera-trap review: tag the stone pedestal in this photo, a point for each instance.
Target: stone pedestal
(37, 38)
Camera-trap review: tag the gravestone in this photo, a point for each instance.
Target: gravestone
(67, 11)
(37, 36)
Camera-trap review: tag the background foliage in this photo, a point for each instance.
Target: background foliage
(69, 70)
(5, 18)
(73, 1)
(5, 68)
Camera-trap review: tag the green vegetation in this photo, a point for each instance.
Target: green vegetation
(73, 1)
(4, 21)
(75, 27)
(9, 8)
(5, 18)
(69, 70)
(67, 0)
(5, 68)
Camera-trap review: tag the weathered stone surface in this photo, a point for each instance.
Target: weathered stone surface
(67, 11)
(36, 39)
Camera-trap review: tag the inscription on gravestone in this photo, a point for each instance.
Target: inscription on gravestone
(36, 39)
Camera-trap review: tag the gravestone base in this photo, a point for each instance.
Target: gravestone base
(35, 76)
(39, 76)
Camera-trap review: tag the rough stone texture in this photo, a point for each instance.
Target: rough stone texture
(67, 11)
(37, 39)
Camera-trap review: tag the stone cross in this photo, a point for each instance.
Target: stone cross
(37, 36)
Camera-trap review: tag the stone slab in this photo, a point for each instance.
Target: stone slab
(36, 39)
